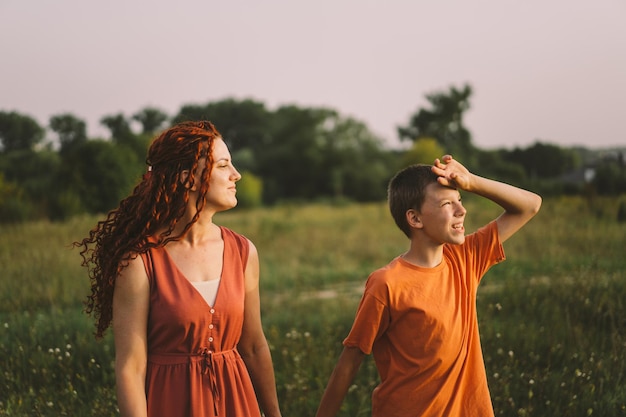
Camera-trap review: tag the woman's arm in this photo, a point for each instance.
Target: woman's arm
(131, 300)
(253, 345)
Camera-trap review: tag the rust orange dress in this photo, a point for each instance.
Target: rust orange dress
(194, 368)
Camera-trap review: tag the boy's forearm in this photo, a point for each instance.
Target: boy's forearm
(512, 199)
(519, 205)
(340, 380)
(334, 394)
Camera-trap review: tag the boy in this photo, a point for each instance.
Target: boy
(418, 313)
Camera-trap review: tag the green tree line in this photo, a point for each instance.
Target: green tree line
(292, 153)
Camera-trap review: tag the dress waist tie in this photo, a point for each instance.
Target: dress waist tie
(208, 368)
(208, 365)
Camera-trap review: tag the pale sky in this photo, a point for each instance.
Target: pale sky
(548, 70)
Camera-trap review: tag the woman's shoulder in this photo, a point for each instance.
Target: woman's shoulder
(133, 275)
(244, 245)
(228, 233)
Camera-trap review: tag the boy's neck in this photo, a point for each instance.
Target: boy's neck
(424, 255)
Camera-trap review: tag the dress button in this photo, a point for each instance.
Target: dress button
(210, 326)
(210, 339)
(212, 310)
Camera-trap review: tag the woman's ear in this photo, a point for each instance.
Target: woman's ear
(413, 219)
(184, 176)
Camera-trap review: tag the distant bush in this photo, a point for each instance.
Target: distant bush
(621, 212)
(249, 190)
(14, 207)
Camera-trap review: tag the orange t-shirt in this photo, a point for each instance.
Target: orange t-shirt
(421, 325)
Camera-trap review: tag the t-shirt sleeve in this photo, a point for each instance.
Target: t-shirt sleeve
(484, 248)
(371, 320)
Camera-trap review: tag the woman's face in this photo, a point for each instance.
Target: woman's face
(222, 185)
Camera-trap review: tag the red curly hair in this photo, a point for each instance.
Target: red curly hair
(156, 205)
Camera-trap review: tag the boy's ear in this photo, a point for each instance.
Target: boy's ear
(413, 219)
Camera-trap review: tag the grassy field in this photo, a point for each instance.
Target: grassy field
(552, 317)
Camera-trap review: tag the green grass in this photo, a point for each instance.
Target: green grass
(552, 317)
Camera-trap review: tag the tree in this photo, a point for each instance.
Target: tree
(316, 153)
(424, 151)
(299, 153)
(71, 130)
(119, 127)
(19, 132)
(34, 172)
(151, 119)
(123, 135)
(543, 160)
(290, 164)
(493, 164)
(610, 176)
(101, 173)
(444, 122)
(242, 123)
(13, 206)
(354, 162)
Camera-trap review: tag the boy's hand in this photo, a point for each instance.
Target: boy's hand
(452, 173)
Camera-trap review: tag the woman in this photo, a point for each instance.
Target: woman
(181, 292)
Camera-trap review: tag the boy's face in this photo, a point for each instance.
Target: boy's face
(442, 215)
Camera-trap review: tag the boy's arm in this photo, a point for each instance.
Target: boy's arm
(340, 380)
(519, 205)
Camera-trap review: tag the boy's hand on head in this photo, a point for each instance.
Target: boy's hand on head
(452, 173)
